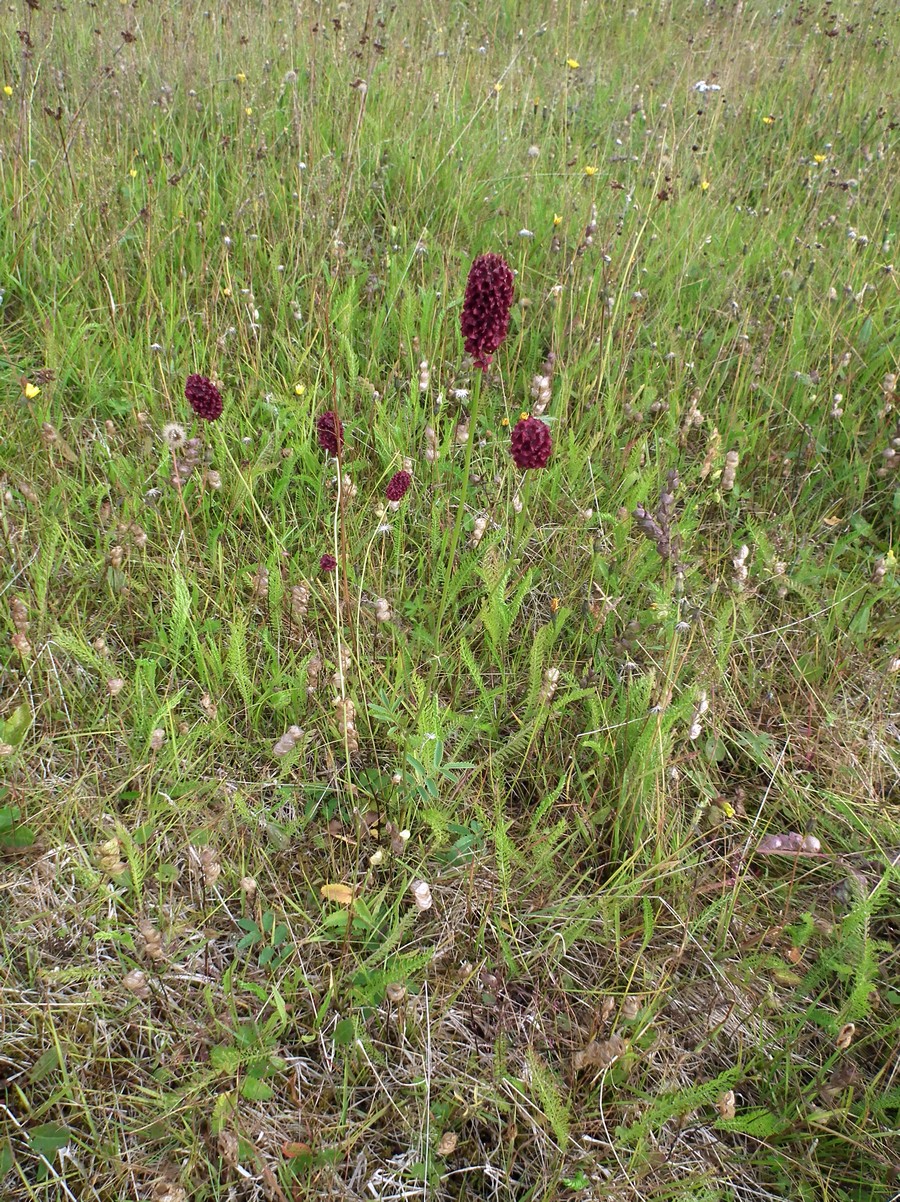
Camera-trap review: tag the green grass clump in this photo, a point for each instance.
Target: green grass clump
(453, 872)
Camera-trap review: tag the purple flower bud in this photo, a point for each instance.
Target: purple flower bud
(327, 563)
(397, 486)
(205, 399)
(530, 444)
(330, 431)
(485, 311)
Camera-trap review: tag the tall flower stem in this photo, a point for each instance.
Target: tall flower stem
(461, 508)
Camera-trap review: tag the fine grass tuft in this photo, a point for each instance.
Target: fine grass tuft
(543, 841)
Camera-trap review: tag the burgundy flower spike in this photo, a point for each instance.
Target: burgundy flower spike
(327, 563)
(330, 431)
(485, 312)
(531, 444)
(397, 486)
(205, 399)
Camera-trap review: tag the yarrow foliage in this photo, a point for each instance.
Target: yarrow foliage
(330, 431)
(530, 444)
(205, 399)
(486, 307)
(398, 485)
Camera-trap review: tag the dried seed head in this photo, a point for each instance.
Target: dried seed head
(229, 1150)
(174, 435)
(108, 858)
(136, 982)
(288, 741)
(712, 453)
(153, 941)
(299, 602)
(421, 895)
(478, 529)
(19, 614)
(395, 992)
(205, 861)
(540, 394)
(728, 473)
(115, 686)
(346, 723)
(168, 1191)
(248, 887)
(725, 1104)
(631, 1007)
(259, 582)
(313, 671)
(845, 1037)
(157, 738)
(600, 1053)
(447, 1143)
(549, 687)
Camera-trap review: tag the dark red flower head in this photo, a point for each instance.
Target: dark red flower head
(397, 486)
(485, 311)
(328, 563)
(531, 444)
(205, 399)
(330, 431)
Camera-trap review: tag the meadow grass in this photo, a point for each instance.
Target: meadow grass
(593, 738)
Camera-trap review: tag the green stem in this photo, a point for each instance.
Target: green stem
(461, 508)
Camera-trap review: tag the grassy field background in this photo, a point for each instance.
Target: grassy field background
(578, 732)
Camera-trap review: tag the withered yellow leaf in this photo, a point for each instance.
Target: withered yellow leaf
(342, 894)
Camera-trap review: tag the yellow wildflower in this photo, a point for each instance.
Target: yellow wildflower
(31, 391)
(299, 389)
(226, 292)
(573, 64)
(704, 185)
(523, 416)
(133, 172)
(557, 219)
(536, 102)
(554, 604)
(819, 158)
(7, 90)
(241, 77)
(590, 171)
(504, 421)
(249, 112)
(768, 120)
(498, 86)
